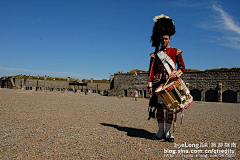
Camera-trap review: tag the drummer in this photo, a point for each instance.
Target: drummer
(162, 31)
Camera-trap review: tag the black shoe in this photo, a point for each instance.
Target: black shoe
(169, 139)
(155, 137)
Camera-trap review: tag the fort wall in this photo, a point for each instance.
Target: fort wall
(217, 86)
(214, 86)
(52, 85)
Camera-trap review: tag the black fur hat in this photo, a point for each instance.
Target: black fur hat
(163, 25)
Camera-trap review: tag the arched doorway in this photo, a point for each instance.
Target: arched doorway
(229, 96)
(125, 93)
(196, 94)
(211, 96)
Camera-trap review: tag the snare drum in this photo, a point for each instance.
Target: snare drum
(175, 95)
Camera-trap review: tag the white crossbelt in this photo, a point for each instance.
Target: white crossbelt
(167, 61)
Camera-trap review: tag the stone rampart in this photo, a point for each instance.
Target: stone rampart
(37, 84)
(214, 86)
(98, 87)
(124, 84)
(34, 84)
(218, 86)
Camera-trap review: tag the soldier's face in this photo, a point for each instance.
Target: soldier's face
(165, 40)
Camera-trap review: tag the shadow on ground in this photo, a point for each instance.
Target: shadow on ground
(132, 132)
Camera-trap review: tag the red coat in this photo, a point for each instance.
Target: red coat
(156, 68)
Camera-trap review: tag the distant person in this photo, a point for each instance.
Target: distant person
(162, 31)
(136, 94)
(131, 94)
(135, 72)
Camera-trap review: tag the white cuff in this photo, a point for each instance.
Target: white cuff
(149, 84)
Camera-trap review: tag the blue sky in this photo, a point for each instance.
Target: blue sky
(96, 38)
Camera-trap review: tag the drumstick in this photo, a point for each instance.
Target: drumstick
(165, 83)
(168, 79)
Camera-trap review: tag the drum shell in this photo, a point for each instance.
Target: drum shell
(175, 95)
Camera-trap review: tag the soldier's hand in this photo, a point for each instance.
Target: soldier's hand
(173, 75)
(150, 90)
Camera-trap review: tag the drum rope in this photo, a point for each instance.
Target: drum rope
(184, 87)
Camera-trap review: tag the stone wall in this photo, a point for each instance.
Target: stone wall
(36, 84)
(124, 84)
(221, 86)
(210, 80)
(98, 87)
(215, 84)
(218, 86)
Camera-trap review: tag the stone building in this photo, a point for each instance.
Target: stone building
(213, 86)
(123, 84)
(46, 84)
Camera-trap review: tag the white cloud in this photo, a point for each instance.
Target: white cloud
(228, 28)
(225, 20)
(2, 68)
(233, 42)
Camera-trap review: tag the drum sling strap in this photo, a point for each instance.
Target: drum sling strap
(166, 61)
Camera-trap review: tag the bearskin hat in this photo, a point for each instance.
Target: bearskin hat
(163, 25)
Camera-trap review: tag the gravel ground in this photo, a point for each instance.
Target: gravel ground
(41, 125)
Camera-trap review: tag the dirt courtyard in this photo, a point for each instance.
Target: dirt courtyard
(39, 125)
